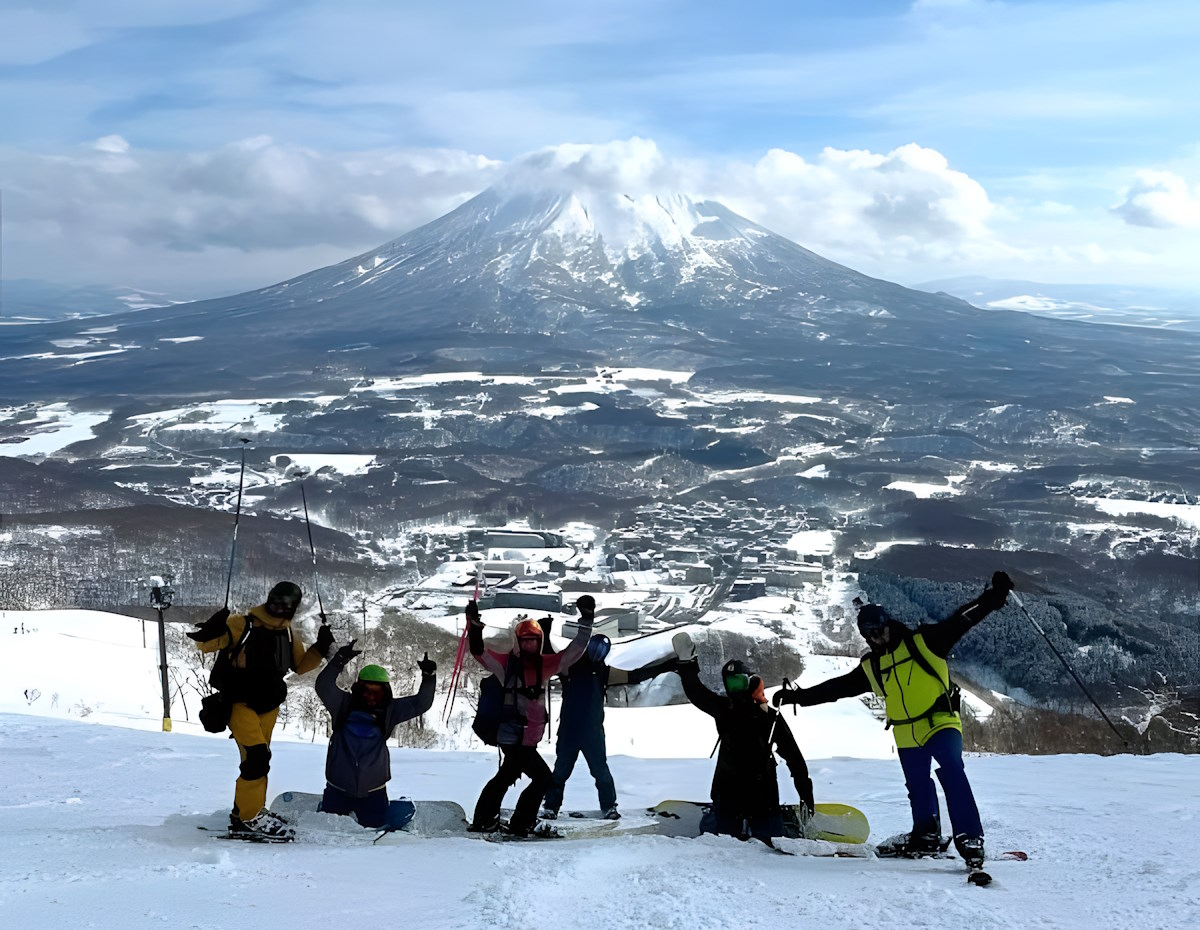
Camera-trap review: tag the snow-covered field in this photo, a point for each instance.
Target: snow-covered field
(98, 826)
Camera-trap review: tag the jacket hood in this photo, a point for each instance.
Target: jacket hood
(262, 618)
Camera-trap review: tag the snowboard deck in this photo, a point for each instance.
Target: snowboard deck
(832, 823)
(578, 825)
(432, 818)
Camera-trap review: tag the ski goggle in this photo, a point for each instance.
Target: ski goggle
(282, 606)
(737, 684)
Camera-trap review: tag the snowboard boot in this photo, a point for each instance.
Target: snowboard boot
(541, 830)
(264, 827)
(612, 813)
(971, 849)
(912, 845)
(549, 813)
(491, 826)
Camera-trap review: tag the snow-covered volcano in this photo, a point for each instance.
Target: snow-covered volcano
(587, 248)
(542, 273)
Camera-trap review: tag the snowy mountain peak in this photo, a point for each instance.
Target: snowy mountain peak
(584, 245)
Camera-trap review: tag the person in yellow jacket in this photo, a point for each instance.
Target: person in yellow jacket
(907, 668)
(256, 651)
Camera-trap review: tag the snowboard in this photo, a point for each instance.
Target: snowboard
(431, 818)
(579, 825)
(832, 823)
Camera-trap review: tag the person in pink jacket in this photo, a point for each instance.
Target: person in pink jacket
(524, 673)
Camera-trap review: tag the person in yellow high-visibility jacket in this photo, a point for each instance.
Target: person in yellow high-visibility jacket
(907, 668)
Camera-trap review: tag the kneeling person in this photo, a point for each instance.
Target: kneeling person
(358, 765)
(745, 789)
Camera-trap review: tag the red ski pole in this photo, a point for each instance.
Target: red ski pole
(459, 657)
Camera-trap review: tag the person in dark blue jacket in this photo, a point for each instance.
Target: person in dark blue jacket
(358, 765)
(581, 720)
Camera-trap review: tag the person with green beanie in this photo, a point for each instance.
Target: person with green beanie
(358, 765)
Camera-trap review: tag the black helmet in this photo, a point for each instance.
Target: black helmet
(284, 599)
(871, 619)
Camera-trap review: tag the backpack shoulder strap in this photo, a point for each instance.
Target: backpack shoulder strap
(237, 647)
(920, 658)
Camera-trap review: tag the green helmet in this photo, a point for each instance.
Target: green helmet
(373, 673)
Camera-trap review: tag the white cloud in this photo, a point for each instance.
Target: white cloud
(892, 206)
(258, 211)
(114, 145)
(1161, 200)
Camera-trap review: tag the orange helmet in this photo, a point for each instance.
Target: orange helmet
(530, 629)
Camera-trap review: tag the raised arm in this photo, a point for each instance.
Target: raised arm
(618, 676)
(488, 659)
(553, 664)
(942, 637)
(326, 685)
(414, 705)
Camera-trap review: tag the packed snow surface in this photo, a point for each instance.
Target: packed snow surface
(99, 828)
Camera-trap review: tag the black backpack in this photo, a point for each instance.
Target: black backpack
(216, 707)
(498, 704)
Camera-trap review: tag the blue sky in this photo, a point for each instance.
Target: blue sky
(204, 147)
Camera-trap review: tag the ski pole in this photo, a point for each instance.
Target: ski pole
(313, 550)
(237, 515)
(1037, 626)
(459, 658)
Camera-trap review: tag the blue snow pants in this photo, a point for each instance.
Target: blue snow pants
(572, 741)
(944, 747)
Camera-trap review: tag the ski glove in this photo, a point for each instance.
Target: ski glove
(324, 640)
(587, 608)
(995, 596)
(211, 628)
(790, 696)
(427, 665)
(346, 653)
(1001, 582)
(472, 613)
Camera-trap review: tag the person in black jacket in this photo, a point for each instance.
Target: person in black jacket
(745, 791)
(907, 668)
(581, 720)
(358, 765)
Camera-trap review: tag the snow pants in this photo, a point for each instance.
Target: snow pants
(375, 810)
(572, 741)
(252, 733)
(516, 760)
(945, 746)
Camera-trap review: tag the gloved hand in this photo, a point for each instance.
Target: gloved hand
(211, 628)
(790, 696)
(346, 653)
(783, 696)
(587, 609)
(685, 649)
(324, 640)
(427, 665)
(995, 597)
(472, 613)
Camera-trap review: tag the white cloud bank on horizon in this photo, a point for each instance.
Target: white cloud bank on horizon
(1161, 200)
(258, 210)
